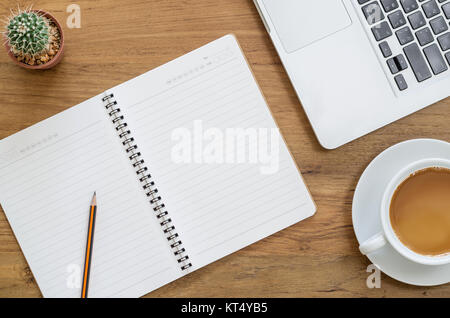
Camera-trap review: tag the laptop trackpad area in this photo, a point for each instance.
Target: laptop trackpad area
(299, 23)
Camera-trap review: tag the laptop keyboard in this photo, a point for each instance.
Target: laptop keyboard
(421, 28)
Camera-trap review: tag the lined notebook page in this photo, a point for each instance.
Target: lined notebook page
(49, 173)
(217, 208)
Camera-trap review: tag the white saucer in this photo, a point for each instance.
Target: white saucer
(366, 214)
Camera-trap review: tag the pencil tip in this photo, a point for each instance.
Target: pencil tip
(94, 198)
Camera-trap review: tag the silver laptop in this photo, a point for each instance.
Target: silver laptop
(358, 65)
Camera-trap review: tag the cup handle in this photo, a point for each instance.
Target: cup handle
(372, 244)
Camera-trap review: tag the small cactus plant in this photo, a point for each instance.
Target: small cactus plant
(33, 37)
(28, 33)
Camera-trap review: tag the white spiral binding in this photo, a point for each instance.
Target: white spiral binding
(146, 180)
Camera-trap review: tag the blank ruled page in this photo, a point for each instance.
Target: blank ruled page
(186, 117)
(49, 173)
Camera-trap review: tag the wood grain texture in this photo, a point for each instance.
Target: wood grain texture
(119, 40)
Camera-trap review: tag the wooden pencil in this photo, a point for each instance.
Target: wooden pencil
(89, 246)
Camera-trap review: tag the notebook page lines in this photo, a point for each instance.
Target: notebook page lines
(53, 151)
(46, 195)
(210, 201)
(60, 233)
(170, 101)
(255, 226)
(70, 202)
(214, 117)
(265, 205)
(187, 85)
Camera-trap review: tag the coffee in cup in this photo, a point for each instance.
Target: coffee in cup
(420, 211)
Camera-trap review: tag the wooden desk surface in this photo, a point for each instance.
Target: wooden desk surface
(119, 40)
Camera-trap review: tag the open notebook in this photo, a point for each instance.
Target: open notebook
(174, 191)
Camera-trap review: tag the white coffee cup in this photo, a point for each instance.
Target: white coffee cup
(387, 235)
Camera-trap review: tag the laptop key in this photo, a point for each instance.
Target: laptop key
(392, 66)
(401, 62)
(448, 57)
(431, 8)
(400, 81)
(417, 20)
(373, 12)
(385, 49)
(438, 25)
(381, 31)
(397, 64)
(417, 62)
(424, 36)
(434, 57)
(446, 9)
(397, 19)
(404, 35)
(389, 5)
(444, 41)
(409, 5)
